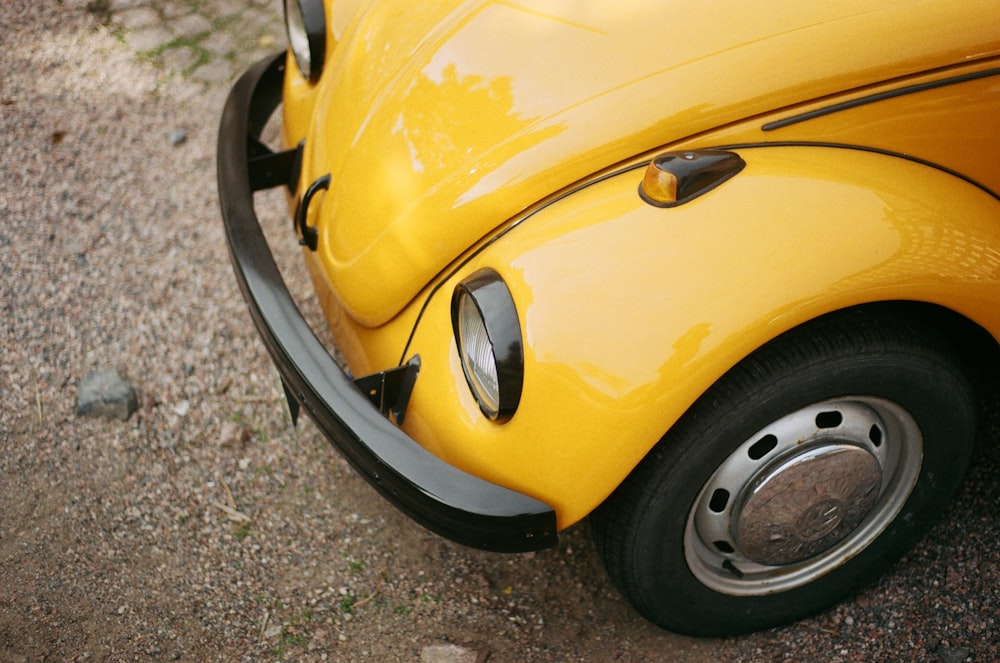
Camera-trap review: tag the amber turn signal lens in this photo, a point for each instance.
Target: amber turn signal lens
(674, 178)
(659, 185)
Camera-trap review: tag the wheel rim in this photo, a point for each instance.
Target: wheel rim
(803, 496)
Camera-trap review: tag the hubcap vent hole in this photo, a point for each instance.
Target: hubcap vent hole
(830, 419)
(720, 498)
(762, 447)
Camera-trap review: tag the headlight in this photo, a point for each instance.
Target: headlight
(306, 27)
(488, 334)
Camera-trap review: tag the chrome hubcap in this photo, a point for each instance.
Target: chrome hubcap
(803, 496)
(807, 504)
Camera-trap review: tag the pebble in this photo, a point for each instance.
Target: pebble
(177, 137)
(954, 654)
(450, 653)
(105, 394)
(233, 434)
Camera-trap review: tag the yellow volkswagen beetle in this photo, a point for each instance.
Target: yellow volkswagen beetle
(719, 275)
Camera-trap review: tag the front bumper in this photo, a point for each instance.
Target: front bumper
(440, 497)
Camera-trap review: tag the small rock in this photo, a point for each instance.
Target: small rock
(954, 654)
(105, 394)
(233, 434)
(449, 653)
(177, 137)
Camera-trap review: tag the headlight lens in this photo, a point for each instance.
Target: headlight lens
(488, 334)
(306, 27)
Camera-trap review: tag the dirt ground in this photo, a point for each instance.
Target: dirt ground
(206, 528)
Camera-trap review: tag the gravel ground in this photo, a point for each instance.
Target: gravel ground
(205, 528)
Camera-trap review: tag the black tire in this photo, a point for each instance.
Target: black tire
(767, 502)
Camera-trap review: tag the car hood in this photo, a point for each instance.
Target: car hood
(440, 121)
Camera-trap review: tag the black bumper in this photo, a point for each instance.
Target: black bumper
(443, 498)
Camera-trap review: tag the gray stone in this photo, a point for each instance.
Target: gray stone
(121, 5)
(449, 653)
(192, 25)
(179, 58)
(218, 71)
(220, 42)
(954, 654)
(177, 137)
(138, 17)
(149, 40)
(105, 394)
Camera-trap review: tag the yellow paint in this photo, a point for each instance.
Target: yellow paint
(438, 123)
(448, 140)
(630, 312)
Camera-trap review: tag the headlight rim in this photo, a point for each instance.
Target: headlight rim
(311, 30)
(491, 297)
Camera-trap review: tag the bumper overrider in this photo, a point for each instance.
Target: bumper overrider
(440, 497)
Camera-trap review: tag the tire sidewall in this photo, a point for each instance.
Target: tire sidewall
(696, 448)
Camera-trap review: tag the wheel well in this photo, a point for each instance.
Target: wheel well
(691, 506)
(976, 347)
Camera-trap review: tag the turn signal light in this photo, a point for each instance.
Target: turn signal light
(674, 178)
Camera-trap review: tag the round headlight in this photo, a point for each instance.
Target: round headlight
(488, 334)
(306, 27)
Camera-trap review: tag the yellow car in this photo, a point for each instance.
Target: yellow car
(720, 275)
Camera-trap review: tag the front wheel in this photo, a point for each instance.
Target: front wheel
(801, 475)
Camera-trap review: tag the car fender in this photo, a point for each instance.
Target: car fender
(631, 312)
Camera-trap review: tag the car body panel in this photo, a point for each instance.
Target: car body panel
(631, 312)
(452, 148)
(948, 118)
(438, 133)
